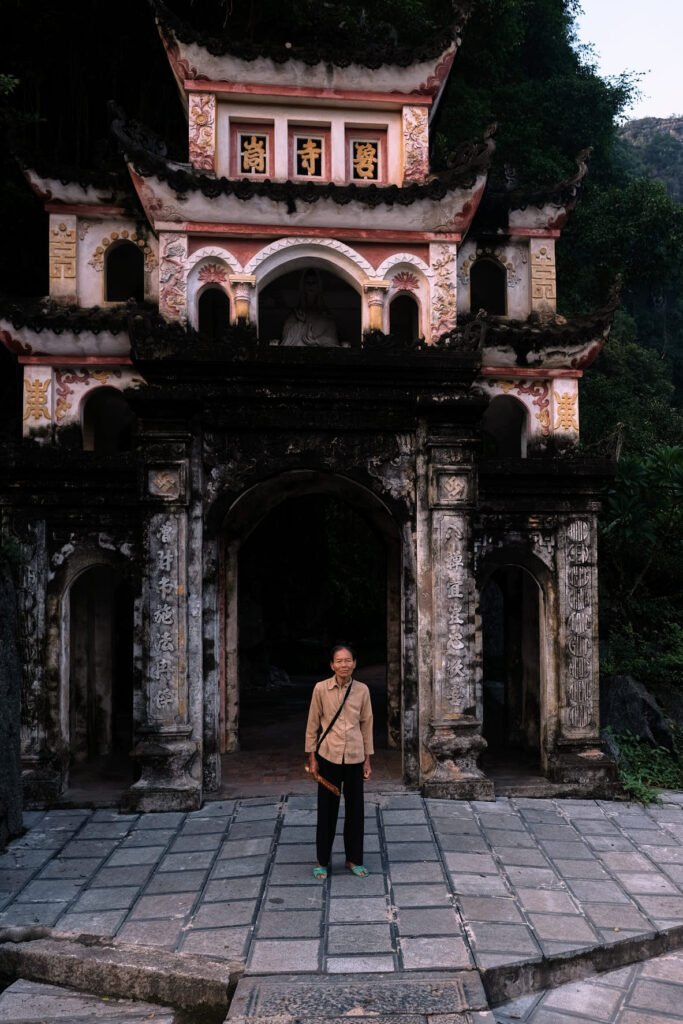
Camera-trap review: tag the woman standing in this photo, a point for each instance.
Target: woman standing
(341, 710)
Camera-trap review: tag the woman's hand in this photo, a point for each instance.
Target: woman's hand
(367, 769)
(312, 764)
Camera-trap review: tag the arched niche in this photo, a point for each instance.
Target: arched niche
(213, 313)
(97, 675)
(309, 284)
(488, 286)
(504, 428)
(107, 422)
(404, 318)
(124, 273)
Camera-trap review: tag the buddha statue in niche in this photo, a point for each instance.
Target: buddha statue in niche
(310, 323)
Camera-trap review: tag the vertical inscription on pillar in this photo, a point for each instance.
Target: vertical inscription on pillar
(166, 635)
(452, 616)
(579, 590)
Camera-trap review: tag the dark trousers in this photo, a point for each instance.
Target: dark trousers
(348, 778)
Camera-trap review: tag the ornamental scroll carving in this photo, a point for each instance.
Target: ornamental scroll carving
(579, 714)
(444, 290)
(202, 118)
(453, 626)
(415, 144)
(62, 252)
(97, 259)
(166, 635)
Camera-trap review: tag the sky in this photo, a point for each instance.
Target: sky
(630, 35)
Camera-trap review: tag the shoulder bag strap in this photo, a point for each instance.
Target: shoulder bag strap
(336, 716)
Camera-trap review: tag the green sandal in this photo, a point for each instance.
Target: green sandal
(320, 873)
(359, 870)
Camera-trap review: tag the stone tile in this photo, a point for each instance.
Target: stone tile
(458, 843)
(12, 879)
(506, 822)
(293, 897)
(301, 835)
(649, 882)
(471, 863)
(257, 812)
(280, 956)
(664, 854)
(189, 861)
(105, 829)
(347, 884)
(360, 965)
(103, 922)
(161, 819)
(479, 885)
(508, 837)
(175, 881)
(289, 874)
(617, 915)
(30, 914)
(490, 908)
(547, 901)
(24, 858)
(220, 943)
(675, 872)
(589, 891)
(662, 907)
(358, 938)
(109, 814)
(225, 915)
(665, 968)
(282, 924)
(562, 927)
(527, 877)
(50, 891)
(429, 921)
(252, 830)
(582, 809)
(626, 862)
(426, 954)
(574, 850)
(504, 938)
(411, 816)
(407, 834)
(213, 808)
(605, 844)
(362, 909)
(89, 848)
(71, 869)
(411, 852)
(420, 895)
(136, 874)
(253, 847)
(106, 899)
(212, 825)
(556, 833)
(407, 872)
(232, 888)
(169, 905)
(135, 855)
(196, 843)
(151, 933)
(596, 1002)
(522, 857)
(580, 869)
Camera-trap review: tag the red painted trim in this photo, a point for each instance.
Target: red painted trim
(520, 371)
(85, 209)
(283, 231)
(75, 360)
(534, 233)
(394, 99)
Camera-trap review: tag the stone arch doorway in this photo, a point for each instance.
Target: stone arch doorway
(309, 557)
(97, 678)
(315, 282)
(515, 669)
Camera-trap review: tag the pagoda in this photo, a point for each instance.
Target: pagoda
(302, 309)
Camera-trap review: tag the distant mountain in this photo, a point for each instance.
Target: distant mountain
(653, 146)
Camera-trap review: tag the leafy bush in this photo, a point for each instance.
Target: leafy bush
(644, 769)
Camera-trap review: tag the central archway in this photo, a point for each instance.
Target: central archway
(309, 558)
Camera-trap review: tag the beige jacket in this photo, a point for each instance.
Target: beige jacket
(350, 739)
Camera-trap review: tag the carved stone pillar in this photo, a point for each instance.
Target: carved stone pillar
(578, 758)
(165, 748)
(375, 296)
(173, 276)
(444, 287)
(454, 740)
(244, 292)
(415, 144)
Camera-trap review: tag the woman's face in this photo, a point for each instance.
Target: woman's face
(343, 664)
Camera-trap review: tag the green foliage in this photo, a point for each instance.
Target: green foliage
(644, 769)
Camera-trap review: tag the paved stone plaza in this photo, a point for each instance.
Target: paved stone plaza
(453, 886)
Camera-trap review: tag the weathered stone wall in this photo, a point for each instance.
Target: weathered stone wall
(10, 685)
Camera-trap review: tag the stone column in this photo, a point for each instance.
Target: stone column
(454, 739)
(375, 296)
(165, 748)
(578, 758)
(244, 292)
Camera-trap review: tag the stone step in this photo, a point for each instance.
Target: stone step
(456, 997)
(30, 1002)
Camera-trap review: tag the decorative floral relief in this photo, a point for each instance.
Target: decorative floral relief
(172, 294)
(444, 292)
(416, 144)
(405, 281)
(202, 137)
(513, 270)
(97, 259)
(212, 272)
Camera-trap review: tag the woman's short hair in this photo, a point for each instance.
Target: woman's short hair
(343, 647)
